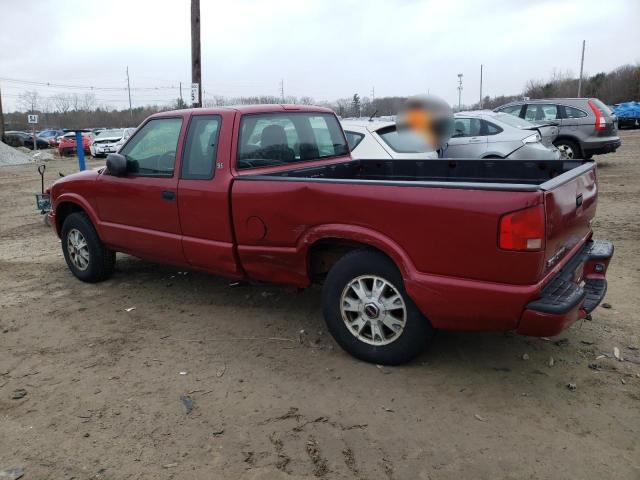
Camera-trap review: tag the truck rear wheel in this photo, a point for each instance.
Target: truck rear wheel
(86, 256)
(368, 311)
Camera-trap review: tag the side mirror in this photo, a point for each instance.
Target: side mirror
(116, 165)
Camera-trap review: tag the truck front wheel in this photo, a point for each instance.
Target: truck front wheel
(86, 256)
(368, 311)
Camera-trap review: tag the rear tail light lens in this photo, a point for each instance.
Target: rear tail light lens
(523, 230)
(601, 122)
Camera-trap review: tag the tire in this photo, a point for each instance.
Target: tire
(86, 256)
(569, 149)
(341, 306)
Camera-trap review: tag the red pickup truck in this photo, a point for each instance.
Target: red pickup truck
(402, 247)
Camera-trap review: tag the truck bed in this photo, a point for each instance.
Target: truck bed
(511, 175)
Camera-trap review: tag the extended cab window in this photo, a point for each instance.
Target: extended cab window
(152, 150)
(279, 138)
(200, 148)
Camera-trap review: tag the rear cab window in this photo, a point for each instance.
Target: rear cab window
(269, 139)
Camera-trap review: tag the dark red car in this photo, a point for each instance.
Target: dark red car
(67, 145)
(402, 247)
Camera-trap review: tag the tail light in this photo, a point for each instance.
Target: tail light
(601, 122)
(523, 230)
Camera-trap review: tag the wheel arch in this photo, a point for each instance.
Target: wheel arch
(570, 138)
(67, 204)
(326, 244)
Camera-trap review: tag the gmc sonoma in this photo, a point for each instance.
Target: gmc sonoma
(403, 247)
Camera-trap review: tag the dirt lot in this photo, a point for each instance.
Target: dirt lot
(103, 385)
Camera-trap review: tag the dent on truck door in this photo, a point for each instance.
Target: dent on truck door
(203, 195)
(139, 211)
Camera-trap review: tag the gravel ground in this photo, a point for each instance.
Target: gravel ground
(105, 393)
(12, 156)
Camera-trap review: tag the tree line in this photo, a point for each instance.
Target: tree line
(82, 110)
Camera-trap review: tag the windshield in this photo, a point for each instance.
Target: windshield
(513, 121)
(110, 133)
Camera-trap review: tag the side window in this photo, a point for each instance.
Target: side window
(541, 113)
(512, 110)
(279, 138)
(466, 127)
(201, 145)
(353, 138)
(152, 150)
(570, 112)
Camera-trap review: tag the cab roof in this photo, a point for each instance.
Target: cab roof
(248, 109)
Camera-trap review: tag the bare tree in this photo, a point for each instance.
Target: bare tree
(29, 100)
(62, 102)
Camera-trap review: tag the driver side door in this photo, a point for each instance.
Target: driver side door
(139, 211)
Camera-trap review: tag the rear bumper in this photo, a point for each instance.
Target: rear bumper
(572, 294)
(601, 147)
(472, 305)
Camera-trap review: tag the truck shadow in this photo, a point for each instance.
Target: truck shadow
(287, 311)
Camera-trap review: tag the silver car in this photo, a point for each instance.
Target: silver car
(487, 134)
(587, 126)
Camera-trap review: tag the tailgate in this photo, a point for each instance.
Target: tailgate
(570, 204)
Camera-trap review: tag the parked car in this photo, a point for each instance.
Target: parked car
(380, 140)
(41, 143)
(109, 141)
(487, 134)
(51, 135)
(269, 193)
(587, 125)
(15, 138)
(67, 145)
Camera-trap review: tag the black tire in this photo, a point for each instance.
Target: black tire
(409, 343)
(566, 146)
(101, 260)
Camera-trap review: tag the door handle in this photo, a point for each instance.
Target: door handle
(475, 140)
(168, 195)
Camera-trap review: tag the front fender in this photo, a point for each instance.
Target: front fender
(78, 200)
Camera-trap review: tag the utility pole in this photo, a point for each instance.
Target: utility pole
(459, 91)
(373, 93)
(282, 91)
(480, 86)
(196, 64)
(1, 118)
(181, 102)
(129, 90)
(581, 69)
